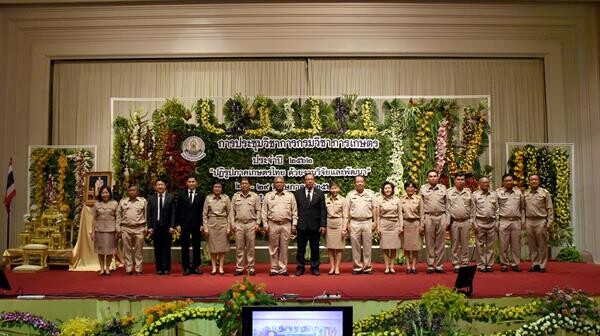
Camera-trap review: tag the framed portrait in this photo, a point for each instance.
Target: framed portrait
(93, 182)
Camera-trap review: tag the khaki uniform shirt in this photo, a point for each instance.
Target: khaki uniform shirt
(105, 215)
(244, 208)
(510, 203)
(389, 207)
(360, 206)
(279, 207)
(131, 213)
(539, 204)
(411, 206)
(216, 207)
(460, 204)
(336, 208)
(485, 205)
(433, 198)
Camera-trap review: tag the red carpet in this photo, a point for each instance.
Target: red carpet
(379, 286)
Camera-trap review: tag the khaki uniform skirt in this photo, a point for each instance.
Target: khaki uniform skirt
(335, 238)
(105, 242)
(390, 234)
(218, 242)
(411, 235)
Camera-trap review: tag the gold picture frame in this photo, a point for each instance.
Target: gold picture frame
(93, 182)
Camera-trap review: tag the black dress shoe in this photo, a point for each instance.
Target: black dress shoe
(238, 273)
(489, 269)
(456, 270)
(130, 273)
(516, 269)
(285, 273)
(213, 272)
(315, 272)
(440, 271)
(138, 273)
(542, 270)
(166, 272)
(354, 272)
(272, 273)
(368, 272)
(186, 272)
(503, 268)
(299, 272)
(252, 273)
(159, 272)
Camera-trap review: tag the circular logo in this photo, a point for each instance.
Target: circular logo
(192, 149)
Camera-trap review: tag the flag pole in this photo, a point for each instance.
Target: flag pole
(8, 227)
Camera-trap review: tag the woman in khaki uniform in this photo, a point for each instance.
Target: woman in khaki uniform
(389, 222)
(336, 227)
(216, 227)
(411, 229)
(104, 228)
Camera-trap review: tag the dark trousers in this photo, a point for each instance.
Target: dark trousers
(195, 235)
(312, 237)
(162, 248)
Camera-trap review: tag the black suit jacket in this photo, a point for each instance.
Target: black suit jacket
(167, 214)
(190, 214)
(314, 215)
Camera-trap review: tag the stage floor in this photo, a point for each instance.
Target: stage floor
(58, 283)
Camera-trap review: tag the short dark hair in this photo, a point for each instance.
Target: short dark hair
(460, 174)
(507, 175)
(390, 184)
(189, 177)
(160, 179)
(99, 197)
(333, 184)
(215, 182)
(362, 176)
(247, 179)
(408, 184)
(305, 175)
(133, 185)
(538, 176)
(432, 171)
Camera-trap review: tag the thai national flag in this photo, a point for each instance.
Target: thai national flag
(11, 189)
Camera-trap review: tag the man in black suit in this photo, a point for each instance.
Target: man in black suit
(312, 222)
(161, 221)
(189, 210)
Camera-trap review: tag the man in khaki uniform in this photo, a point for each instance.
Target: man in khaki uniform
(511, 221)
(279, 217)
(434, 213)
(539, 217)
(131, 226)
(459, 209)
(485, 206)
(244, 219)
(360, 205)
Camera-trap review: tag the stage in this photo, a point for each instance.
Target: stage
(60, 283)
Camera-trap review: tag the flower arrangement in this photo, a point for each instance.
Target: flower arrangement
(82, 161)
(519, 167)
(79, 326)
(205, 115)
(569, 254)
(394, 129)
(235, 118)
(18, 319)
(570, 303)
(367, 124)
(562, 232)
(553, 167)
(262, 105)
(39, 162)
(115, 326)
(340, 114)
(549, 324)
(243, 293)
(492, 313)
(60, 180)
(155, 312)
(475, 139)
(170, 320)
(441, 147)
(419, 151)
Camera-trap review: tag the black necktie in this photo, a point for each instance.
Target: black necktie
(309, 195)
(160, 205)
(191, 197)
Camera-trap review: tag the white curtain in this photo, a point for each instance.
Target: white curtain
(82, 90)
